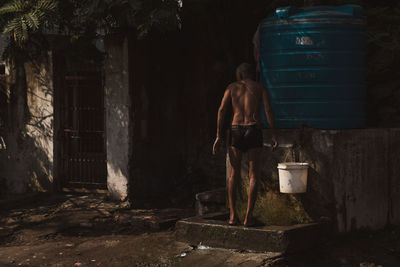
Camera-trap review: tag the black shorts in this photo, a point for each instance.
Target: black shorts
(245, 137)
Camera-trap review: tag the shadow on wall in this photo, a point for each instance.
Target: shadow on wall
(118, 149)
(118, 125)
(28, 158)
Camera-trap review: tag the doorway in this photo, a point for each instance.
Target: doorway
(82, 149)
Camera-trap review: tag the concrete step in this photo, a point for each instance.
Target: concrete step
(212, 230)
(211, 201)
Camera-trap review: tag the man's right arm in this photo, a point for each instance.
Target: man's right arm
(226, 100)
(267, 109)
(270, 115)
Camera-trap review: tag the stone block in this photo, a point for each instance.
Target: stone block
(352, 179)
(211, 201)
(214, 196)
(212, 230)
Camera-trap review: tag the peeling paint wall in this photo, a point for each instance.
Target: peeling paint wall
(40, 126)
(28, 159)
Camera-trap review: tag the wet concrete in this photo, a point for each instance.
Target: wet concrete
(67, 230)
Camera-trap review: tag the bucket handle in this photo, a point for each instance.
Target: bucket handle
(287, 154)
(290, 146)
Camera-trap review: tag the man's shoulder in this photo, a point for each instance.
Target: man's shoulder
(232, 86)
(258, 85)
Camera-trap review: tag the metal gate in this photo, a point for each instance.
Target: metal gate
(82, 122)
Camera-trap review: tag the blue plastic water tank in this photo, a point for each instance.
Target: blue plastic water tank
(312, 63)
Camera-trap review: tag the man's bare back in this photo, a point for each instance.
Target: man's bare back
(246, 97)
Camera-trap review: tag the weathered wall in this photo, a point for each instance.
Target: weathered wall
(164, 125)
(157, 136)
(352, 179)
(158, 140)
(28, 159)
(40, 126)
(177, 82)
(117, 105)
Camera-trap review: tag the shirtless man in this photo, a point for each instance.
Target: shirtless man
(245, 96)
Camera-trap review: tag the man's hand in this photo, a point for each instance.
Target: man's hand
(274, 143)
(216, 145)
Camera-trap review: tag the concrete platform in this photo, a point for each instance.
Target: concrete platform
(211, 202)
(212, 230)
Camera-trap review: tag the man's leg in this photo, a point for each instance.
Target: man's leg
(235, 159)
(254, 173)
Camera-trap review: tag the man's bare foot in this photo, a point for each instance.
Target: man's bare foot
(233, 220)
(249, 221)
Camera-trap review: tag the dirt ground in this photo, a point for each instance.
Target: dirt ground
(78, 230)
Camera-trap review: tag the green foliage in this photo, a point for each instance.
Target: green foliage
(110, 16)
(22, 18)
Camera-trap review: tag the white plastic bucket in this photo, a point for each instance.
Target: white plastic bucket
(293, 177)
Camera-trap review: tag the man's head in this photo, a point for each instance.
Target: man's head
(245, 71)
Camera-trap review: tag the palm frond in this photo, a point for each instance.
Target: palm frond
(24, 34)
(12, 25)
(47, 7)
(13, 7)
(32, 21)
